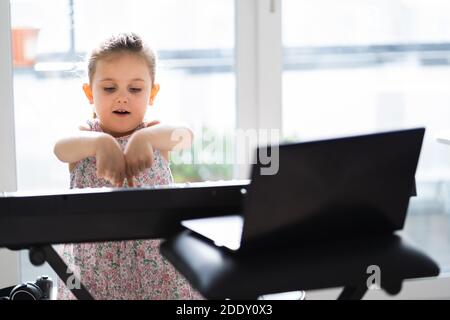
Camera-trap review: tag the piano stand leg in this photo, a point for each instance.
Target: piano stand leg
(353, 292)
(39, 254)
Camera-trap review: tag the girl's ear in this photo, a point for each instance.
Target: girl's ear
(155, 90)
(88, 92)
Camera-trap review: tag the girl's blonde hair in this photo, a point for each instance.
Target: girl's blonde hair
(122, 43)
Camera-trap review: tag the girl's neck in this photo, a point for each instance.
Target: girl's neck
(118, 134)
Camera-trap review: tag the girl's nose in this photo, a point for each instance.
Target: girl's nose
(122, 99)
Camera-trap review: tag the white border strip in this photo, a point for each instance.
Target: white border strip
(8, 180)
(418, 289)
(9, 261)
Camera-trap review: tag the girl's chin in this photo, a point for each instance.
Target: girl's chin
(120, 131)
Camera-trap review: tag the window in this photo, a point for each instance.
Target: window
(195, 73)
(355, 66)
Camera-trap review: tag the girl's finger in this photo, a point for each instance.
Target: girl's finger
(128, 173)
(120, 181)
(132, 171)
(100, 174)
(130, 180)
(141, 166)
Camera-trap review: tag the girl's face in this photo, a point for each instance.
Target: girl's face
(120, 90)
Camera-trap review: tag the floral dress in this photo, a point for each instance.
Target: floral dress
(123, 269)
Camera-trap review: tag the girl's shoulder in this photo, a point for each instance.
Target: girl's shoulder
(151, 123)
(84, 127)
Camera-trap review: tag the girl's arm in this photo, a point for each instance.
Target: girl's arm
(167, 137)
(81, 145)
(110, 160)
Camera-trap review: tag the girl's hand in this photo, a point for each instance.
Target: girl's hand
(110, 160)
(138, 156)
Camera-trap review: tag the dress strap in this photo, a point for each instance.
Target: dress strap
(94, 125)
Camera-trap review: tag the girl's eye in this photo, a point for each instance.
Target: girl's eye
(135, 90)
(109, 89)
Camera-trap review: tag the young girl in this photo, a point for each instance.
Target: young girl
(117, 148)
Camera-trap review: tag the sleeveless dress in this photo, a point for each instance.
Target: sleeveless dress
(123, 269)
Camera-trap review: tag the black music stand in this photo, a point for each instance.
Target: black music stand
(40, 254)
(218, 273)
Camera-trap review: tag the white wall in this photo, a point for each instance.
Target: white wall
(9, 261)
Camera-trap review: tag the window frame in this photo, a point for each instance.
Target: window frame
(9, 260)
(258, 70)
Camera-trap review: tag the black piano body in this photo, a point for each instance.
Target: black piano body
(108, 214)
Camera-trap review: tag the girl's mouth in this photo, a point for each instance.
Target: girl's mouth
(121, 113)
